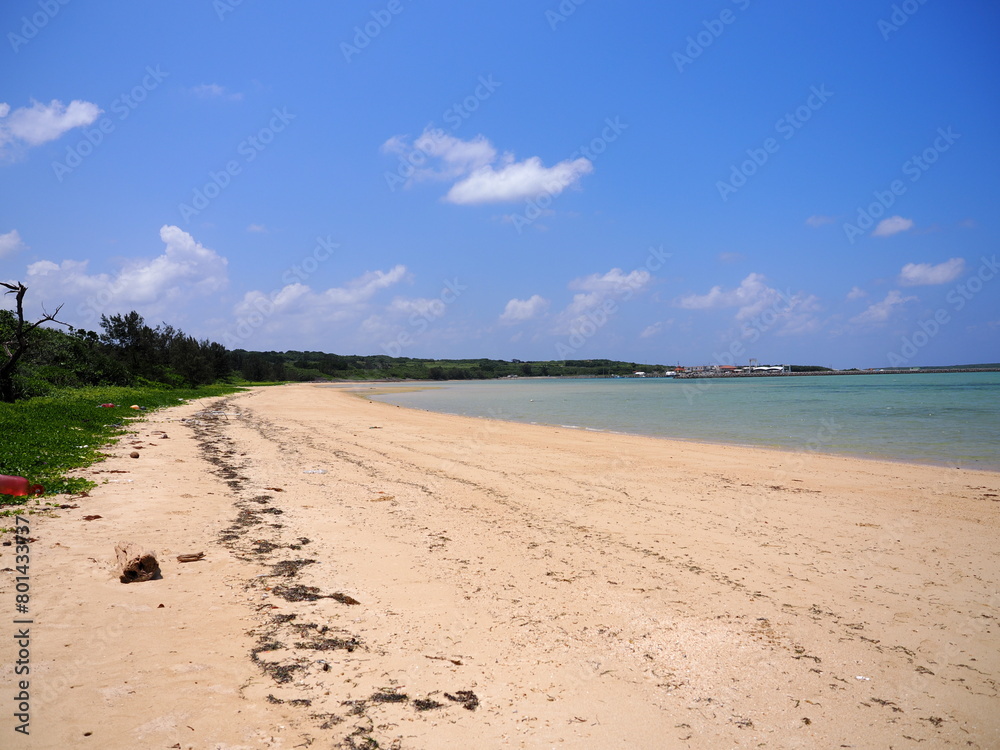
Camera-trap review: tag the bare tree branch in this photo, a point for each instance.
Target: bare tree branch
(16, 346)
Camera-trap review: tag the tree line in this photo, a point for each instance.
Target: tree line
(35, 359)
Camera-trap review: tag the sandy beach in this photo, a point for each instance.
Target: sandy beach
(383, 577)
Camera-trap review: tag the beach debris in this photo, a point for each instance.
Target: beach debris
(382, 498)
(289, 568)
(467, 698)
(18, 486)
(314, 471)
(862, 677)
(329, 644)
(191, 557)
(134, 454)
(456, 662)
(426, 704)
(274, 489)
(329, 720)
(91, 518)
(389, 696)
(136, 564)
(310, 594)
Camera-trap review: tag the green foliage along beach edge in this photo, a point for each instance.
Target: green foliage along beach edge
(48, 436)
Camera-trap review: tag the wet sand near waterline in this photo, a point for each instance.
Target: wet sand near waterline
(428, 581)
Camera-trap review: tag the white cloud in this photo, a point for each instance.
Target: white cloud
(41, 123)
(924, 274)
(880, 312)
(818, 220)
(518, 181)
(215, 91)
(425, 307)
(435, 155)
(346, 317)
(856, 293)
(651, 330)
(892, 225)
(519, 310)
(597, 289)
(10, 243)
(298, 302)
(362, 288)
(752, 298)
(752, 295)
(259, 228)
(482, 174)
(186, 270)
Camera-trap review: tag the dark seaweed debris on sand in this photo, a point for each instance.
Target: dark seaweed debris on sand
(310, 594)
(467, 698)
(289, 568)
(288, 650)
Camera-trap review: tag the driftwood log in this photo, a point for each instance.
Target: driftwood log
(135, 563)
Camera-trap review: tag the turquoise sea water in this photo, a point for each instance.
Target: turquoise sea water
(950, 419)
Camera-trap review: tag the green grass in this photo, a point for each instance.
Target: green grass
(43, 438)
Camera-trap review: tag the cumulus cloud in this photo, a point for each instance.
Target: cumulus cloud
(753, 298)
(651, 330)
(480, 172)
(349, 316)
(818, 220)
(925, 274)
(856, 293)
(10, 243)
(518, 181)
(595, 290)
(315, 307)
(364, 287)
(880, 312)
(435, 155)
(520, 310)
(184, 271)
(752, 295)
(892, 225)
(41, 123)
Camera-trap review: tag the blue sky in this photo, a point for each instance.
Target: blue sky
(688, 182)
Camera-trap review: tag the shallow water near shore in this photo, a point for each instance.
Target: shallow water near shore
(949, 419)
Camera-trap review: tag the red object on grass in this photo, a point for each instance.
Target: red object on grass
(18, 486)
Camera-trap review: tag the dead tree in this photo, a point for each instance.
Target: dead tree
(16, 341)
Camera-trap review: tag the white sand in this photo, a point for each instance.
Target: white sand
(589, 590)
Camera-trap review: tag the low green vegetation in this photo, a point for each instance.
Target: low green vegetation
(319, 365)
(46, 437)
